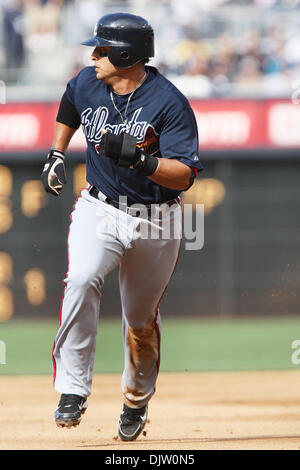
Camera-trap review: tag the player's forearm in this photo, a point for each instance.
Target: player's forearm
(171, 174)
(167, 172)
(62, 136)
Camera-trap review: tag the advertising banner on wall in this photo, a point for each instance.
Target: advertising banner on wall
(222, 125)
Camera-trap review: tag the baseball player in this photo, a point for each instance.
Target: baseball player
(142, 152)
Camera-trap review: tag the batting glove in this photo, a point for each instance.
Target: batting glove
(53, 176)
(123, 151)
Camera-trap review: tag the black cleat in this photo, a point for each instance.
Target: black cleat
(69, 410)
(131, 422)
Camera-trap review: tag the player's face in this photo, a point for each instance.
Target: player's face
(105, 70)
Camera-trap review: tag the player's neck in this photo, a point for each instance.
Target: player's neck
(129, 80)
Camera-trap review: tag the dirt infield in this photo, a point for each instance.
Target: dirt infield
(231, 410)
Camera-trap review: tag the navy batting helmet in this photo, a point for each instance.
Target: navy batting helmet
(130, 38)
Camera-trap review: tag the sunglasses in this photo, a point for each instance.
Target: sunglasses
(104, 53)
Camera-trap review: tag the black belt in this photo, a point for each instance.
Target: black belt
(133, 211)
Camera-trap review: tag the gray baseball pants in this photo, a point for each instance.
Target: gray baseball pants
(102, 237)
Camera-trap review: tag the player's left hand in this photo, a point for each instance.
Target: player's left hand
(121, 148)
(123, 151)
(53, 176)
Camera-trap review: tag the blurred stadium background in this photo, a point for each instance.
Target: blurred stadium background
(238, 62)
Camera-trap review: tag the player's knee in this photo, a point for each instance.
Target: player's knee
(84, 280)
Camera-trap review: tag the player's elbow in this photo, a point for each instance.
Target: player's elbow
(186, 176)
(189, 179)
(180, 182)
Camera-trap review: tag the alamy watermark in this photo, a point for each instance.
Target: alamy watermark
(2, 353)
(2, 92)
(167, 221)
(296, 92)
(295, 358)
(194, 236)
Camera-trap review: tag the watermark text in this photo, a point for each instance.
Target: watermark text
(2, 353)
(295, 358)
(2, 92)
(166, 221)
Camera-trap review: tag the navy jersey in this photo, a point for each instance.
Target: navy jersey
(159, 116)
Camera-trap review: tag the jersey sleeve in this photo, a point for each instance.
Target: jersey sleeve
(70, 91)
(67, 113)
(179, 136)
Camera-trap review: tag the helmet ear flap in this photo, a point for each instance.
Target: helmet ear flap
(122, 57)
(114, 56)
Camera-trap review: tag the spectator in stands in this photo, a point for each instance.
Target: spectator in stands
(47, 56)
(42, 23)
(13, 39)
(206, 47)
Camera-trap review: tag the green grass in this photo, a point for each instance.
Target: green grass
(189, 344)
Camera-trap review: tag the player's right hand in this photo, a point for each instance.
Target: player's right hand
(53, 176)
